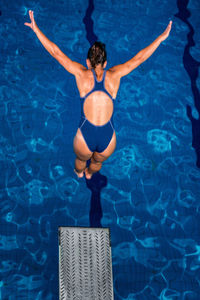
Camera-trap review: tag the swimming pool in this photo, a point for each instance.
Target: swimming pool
(147, 192)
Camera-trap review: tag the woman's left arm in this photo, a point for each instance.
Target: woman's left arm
(71, 66)
(127, 67)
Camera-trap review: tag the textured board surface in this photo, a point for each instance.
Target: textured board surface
(85, 266)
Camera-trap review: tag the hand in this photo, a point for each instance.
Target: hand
(32, 25)
(165, 34)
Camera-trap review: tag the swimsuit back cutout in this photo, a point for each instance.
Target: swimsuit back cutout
(97, 137)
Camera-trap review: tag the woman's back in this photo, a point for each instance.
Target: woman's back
(97, 96)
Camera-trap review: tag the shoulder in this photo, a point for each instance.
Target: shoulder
(84, 74)
(84, 80)
(112, 75)
(112, 82)
(110, 72)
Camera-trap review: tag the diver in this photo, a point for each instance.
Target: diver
(95, 139)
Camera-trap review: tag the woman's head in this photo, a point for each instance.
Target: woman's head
(97, 54)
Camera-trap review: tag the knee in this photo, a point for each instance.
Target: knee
(95, 161)
(81, 158)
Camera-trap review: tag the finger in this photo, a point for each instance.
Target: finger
(27, 24)
(32, 16)
(169, 26)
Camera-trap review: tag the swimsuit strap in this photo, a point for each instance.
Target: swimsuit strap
(101, 84)
(95, 77)
(98, 86)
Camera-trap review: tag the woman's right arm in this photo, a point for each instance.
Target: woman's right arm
(124, 69)
(71, 66)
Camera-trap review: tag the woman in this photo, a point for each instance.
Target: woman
(95, 138)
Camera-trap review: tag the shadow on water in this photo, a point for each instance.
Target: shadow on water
(87, 20)
(96, 184)
(191, 66)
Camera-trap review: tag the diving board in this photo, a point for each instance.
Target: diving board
(85, 264)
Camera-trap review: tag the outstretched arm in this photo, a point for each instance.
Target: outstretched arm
(140, 57)
(71, 66)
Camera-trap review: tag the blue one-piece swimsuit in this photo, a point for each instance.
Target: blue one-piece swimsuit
(97, 137)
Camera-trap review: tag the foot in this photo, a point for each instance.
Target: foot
(88, 175)
(79, 174)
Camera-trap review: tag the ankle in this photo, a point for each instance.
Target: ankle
(88, 175)
(89, 170)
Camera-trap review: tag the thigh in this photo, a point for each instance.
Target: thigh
(80, 147)
(107, 152)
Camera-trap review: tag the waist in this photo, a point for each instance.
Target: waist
(84, 119)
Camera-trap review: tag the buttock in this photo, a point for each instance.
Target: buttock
(97, 138)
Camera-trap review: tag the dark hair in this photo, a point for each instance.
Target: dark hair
(97, 54)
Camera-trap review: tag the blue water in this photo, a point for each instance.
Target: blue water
(148, 191)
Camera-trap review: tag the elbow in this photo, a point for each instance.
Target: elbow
(141, 58)
(139, 61)
(54, 50)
